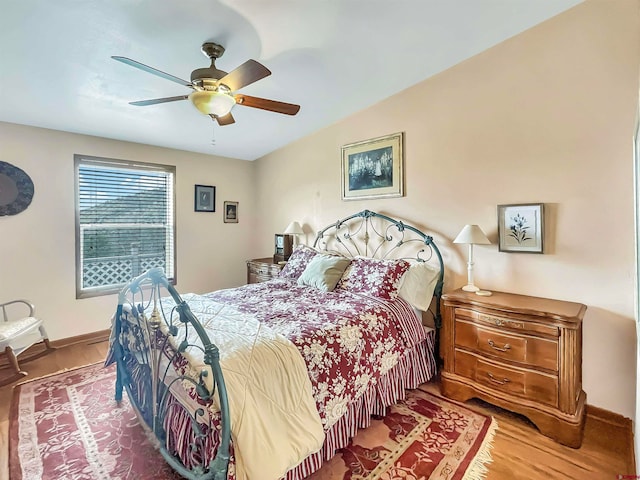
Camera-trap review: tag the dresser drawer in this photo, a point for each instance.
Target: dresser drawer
(253, 278)
(530, 384)
(263, 269)
(503, 322)
(526, 349)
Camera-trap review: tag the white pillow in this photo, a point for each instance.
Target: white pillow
(418, 283)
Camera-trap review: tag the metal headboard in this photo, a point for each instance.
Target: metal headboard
(375, 235)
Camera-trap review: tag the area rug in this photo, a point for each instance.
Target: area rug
(68, 426)
(422, 437)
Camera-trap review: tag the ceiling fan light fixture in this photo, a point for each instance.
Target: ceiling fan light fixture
(212, 102)
(213, 90)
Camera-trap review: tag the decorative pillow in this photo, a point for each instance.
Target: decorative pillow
(418, 283)
(297, 262)
(374, 277)
(324, 271)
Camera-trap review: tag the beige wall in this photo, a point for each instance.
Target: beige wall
(38, 245)
(546, 116)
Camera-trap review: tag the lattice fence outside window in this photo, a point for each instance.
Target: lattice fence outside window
(98, 272)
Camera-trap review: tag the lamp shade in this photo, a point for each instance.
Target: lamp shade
(294, 228)
(211, 102)
(472, 234)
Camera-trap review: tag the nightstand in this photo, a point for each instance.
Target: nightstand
(262, 269)
(521, 353)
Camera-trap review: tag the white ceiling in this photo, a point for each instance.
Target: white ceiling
(332, 57)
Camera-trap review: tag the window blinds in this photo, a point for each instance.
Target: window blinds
(125, 222)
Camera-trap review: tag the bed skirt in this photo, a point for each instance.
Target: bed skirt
(417, 366)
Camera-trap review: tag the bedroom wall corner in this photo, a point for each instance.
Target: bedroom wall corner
(636, 176)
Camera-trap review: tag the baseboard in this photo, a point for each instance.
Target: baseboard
(611, 418)
(93, 337)
(618, 421)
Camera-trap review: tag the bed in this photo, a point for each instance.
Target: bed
(268, 380)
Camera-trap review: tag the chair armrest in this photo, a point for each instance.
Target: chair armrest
(32, 308)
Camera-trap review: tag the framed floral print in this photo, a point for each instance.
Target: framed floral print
(521, 228)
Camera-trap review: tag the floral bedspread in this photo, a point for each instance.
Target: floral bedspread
(347, 340)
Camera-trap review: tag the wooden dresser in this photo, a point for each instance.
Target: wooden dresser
(262, 269)
(521, 353)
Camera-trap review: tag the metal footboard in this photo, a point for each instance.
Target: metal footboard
(147, 328)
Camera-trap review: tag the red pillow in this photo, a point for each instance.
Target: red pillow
(373, 277)
(297, 262)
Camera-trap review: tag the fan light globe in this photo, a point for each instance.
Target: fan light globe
(211, 102)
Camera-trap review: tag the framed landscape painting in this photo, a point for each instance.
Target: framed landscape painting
(521, 228)
(373, 168)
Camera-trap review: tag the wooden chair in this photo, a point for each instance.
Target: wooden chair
(18, 334)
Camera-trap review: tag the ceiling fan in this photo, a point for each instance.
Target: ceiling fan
(214, 90)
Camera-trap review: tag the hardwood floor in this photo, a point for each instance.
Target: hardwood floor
(519, 451)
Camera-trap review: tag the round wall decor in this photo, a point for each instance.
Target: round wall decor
(16, 189)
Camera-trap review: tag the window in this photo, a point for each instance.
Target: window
(125, 222)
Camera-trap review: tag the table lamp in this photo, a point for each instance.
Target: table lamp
(472, 235)
(294, 229)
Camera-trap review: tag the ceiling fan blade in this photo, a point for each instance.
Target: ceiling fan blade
(144, 103)
(265, 104)
(154, 71)
(247, 73)
(224, 120)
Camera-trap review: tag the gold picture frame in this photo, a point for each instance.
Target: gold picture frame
(230, 212)
(373, 168)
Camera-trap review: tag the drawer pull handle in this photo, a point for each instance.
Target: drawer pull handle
(495, 380)
(505, 323)
(500, 349)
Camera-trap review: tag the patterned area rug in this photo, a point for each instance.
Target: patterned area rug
(68, 426)
(422, 437)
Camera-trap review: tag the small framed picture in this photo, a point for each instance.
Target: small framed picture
(230, 212)
(205, 198)
(521, 228)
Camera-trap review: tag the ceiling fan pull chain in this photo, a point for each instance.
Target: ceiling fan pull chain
(213, 135)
